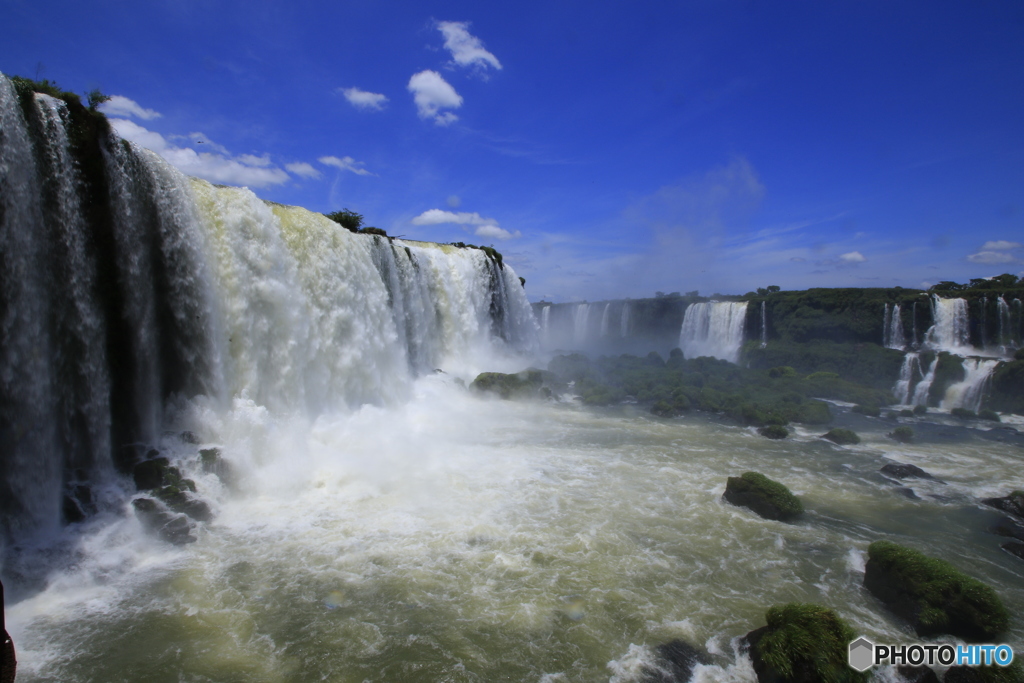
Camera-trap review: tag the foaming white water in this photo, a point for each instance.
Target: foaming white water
(713, 329)
(892, 328)
(968, 392)
(910, 369)
(950, 330)
(624, 322)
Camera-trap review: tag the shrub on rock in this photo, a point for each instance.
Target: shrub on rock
(516, 385)
(843, 437)
(773, 432)
(933, 595)
(802, 642)
(766, 497)
(870, 411)
(903, 434)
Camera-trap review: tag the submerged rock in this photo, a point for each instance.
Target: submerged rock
(676, 660)
(1014, 548)
(766, 497)
(773, 432)
(903, 434)
(933, 595)
(905, 471)
(802, 643)
(185, 503)
(1009, 528)
(1013, 503)
(169, 527)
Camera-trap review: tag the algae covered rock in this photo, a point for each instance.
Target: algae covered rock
(802, 643)
(773, 432)
(523, 384)
(766, 497)
(843, 437)
(903, 434)
(933, 595)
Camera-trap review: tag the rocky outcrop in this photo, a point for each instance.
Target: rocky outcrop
(766, 497)
(933, 595)
(904, 471)
(842, 437)
(676, 661)
(525, 384)
(168, 526)
(1013, 503)
(802, 643)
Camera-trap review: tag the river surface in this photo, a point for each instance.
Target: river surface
(455, 538)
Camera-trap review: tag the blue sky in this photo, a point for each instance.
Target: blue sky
(606, 149)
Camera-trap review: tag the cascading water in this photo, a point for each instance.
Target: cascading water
(580, 318)
(892, 328)
(713, 329)
(764, 326)
(913, 315)
(604, 320)
(950, 330)
(545, 326)
(624, 322)
(925, 385)
(968, 393)
(911, 368)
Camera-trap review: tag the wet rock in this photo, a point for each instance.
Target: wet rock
(1009, 528)
(8, 660)
(77, 503)
(933, 595)
(842, 437)
(191, 438)
(214, 463)
(676, 660)
(169, 527)
(773, 432)
(917, 674)
(1014, 548)
(518, 385)
(149, 474)
(1013, 503)
(802, 643)
(907, 492)
(766, 497)
(904, 471)
(185, 503)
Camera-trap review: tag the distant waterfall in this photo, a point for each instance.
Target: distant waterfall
(545, 325)
(604, 320)
(580, 318)
(137, 288)
(983, 327)
(624, 322)
(713, 329)
(925, 385)
(950, 330)
(911, 368)
(764, 326)
(892, 328)
(913, 315)
(968, 393)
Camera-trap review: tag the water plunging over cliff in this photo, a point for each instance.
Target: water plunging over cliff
(580, 318)
(892, 326)
(713, 329)
(950, 330)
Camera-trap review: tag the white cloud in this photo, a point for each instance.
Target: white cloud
(1000, 245)
(496, 232)
(301, 168)
(432, 93)
(439, 216)
(361, 99)
(852, 257)
(992, 257)
(345, 164)
(217, 167)
(466, 49)
(119, 105)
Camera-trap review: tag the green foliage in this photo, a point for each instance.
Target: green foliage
(903, 434)
(990, 415)
(870, 410)
(920, 410)
(350, 220)
(781, 371)
(773, 432)
(862, 364)
(963, 413)
(519, 385)
(945, 599)
(843, 437)
(370, 230)
(808, 642)
(25, 86)
(96, 98)
(774, 492)
(494, 255)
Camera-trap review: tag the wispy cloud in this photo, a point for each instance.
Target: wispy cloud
(992, 257)
(216, 166)
(346, 164)
(362, 99)
(302, 169)
(1000, 245)
(119, 105)
(432, 93)
(852, 257)
(467, 50)
(485, 227)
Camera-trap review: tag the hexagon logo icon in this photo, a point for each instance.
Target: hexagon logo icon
(862, 654)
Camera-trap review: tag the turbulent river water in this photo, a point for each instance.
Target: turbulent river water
(463, 539)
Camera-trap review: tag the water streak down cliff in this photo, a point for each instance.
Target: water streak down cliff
(126, 287)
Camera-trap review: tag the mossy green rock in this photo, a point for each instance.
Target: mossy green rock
(802, 643)
(903, 434)
(843, 437)
(933, 595)
(518, 385)
(773, 432)
(766, 497)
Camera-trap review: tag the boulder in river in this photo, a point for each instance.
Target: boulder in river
(766, 497)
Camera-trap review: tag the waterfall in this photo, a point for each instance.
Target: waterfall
(911, 367)
(713, 329)
(165, 289)
(968, 393)
(545, 325)
(579, 323)
(925, 385)
(983, 327)
(624, 322)
(892, 328)
(764, 326)
(604, 320)
(913, 315)
(950, 330)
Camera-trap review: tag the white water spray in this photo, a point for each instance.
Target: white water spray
(713, 329)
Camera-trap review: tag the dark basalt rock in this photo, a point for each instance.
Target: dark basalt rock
(191, 438)
(802, 643)
(183, 502)
(169, 527)
(1014, 548)
(917, 674)
(933, 595)
(1013, 503)
(766, 497)
(77, 503)
(676, 660)
(1009, 528)
(907, 492)
(214, 463)
(518, 385)
(8, 660)
(903, 471)
(149, 474)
